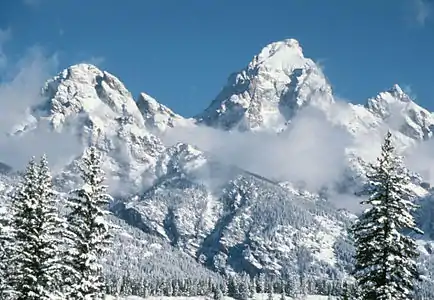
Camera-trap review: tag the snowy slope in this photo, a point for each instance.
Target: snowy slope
(233, 220)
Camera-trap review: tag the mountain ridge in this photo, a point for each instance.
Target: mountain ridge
(225, 217)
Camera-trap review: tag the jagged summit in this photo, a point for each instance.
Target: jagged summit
(157, 116)
(83, 88)
(269, 91)
(396, 90)
(401, 113)
(280, 51)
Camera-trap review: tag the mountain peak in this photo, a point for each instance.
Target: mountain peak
(396, 90)
(273, 87)
(381, 103)
(158, 117)
(287, 47)
(401, 113)
(98, 109)
(85, 88)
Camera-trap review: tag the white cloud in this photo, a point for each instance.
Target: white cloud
(5, 35)
(421, 160)
(95, 60)
(20, 90)
(422, 10)
(409, 91)
(312, 152)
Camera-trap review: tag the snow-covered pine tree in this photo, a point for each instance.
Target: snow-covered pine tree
(6, 239)
(270, 291)
(385, 255)
(283, 293)
(53, 227)
(88, 232)
(218, 295)
(345, 292)
(35, 261)
(243, 287)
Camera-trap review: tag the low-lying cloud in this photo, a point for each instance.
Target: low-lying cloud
(311, 151)
(420, 159)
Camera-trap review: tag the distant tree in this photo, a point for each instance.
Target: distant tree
(218, 295)
(345, 293)
(283, 293)
(270, 292)
(243, 288)
(261, 283)
(385, 254)
(224, 288)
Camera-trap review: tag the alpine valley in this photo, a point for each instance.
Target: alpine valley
(266, 180)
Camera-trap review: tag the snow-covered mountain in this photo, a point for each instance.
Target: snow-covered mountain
(275, 85)
(158, 117)
(99, 110)
(280, 81)
(222, 216)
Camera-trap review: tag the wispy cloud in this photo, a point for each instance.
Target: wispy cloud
(422, 10)
(5, 35)
(407, 88)
(95, 60)
(20, 89)
(311, 152)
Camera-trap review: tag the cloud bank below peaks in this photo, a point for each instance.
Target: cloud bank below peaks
(311, 151)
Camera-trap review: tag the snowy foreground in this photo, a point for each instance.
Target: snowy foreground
(256, 297)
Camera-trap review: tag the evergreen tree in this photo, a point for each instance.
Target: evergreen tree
(283, 293)
(261, 283)
(243, 288)
(385, 256)
(5, 254)
(224, 288)
(270, 292)
(345, 293)
(218, 295)
(88, 233)
(35, 262)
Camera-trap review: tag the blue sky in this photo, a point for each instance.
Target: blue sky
(182, 51)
